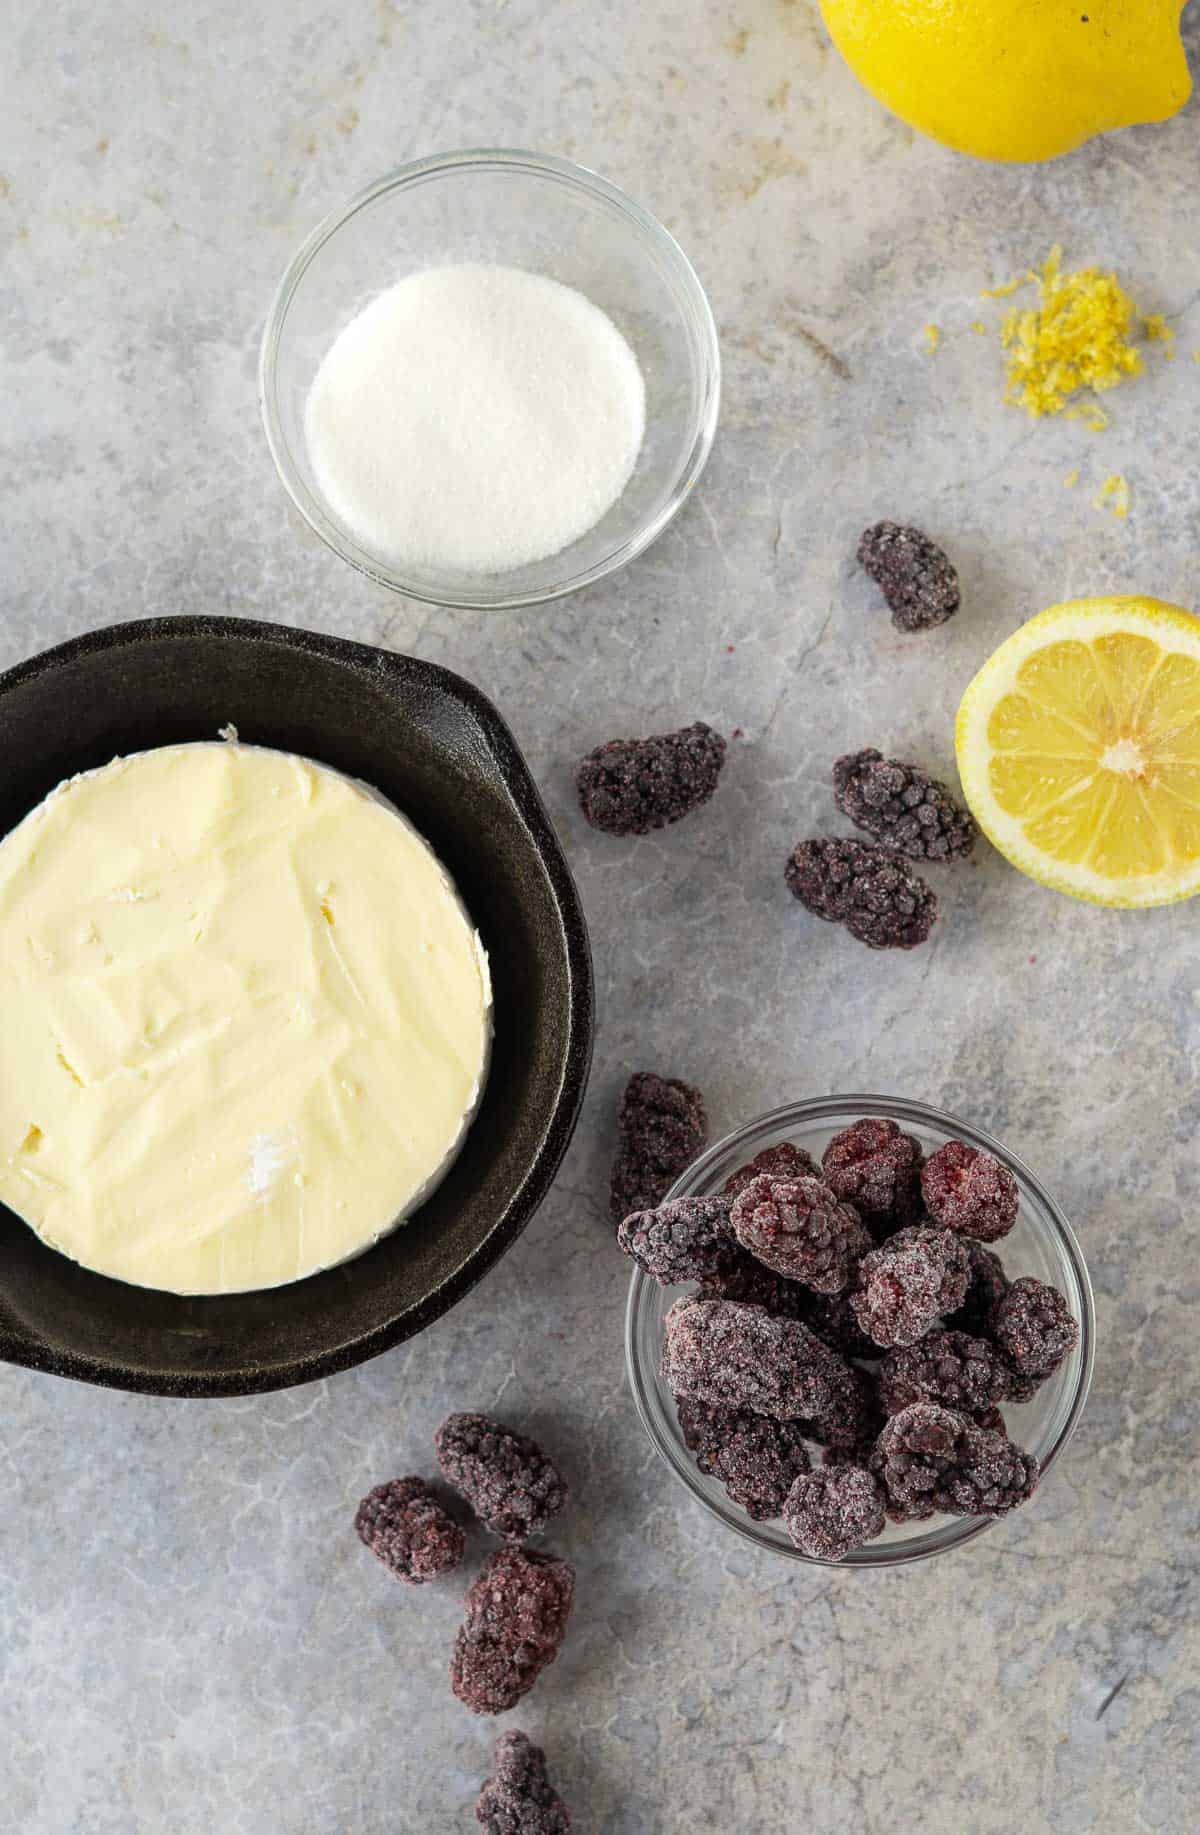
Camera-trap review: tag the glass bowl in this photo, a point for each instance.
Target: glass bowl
(1041, 1244)
(526, 210)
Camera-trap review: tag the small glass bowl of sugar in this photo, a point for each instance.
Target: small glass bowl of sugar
(490, 380)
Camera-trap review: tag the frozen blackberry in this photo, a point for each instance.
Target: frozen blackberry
(685, 1239)
(734, 1356)
(905, 1285)
(993, 1420)
(970, 1191)
(865, 887)
(510, 1484)
(930, 1458)
(801, 1230)
(831, 1317)
(914, 1457)
(1035, 1328)
(661, 1128)
(950, 1368)
(902, 807)
(784, 1161)
(756, 1459)
(518, 1799)
(516, 1613)
(414, 1537)
(630, 786)
(853, 1421)
(915, 577)
(745, 1279)
(993, 1475)
(875, 1167)
(987, 1286)
(832, 1511)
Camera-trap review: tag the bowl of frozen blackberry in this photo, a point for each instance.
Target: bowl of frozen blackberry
(859, 1331)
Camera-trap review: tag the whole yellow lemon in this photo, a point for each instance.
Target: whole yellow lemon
(1016, 79)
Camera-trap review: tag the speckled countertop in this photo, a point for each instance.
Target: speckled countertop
(191, 1637)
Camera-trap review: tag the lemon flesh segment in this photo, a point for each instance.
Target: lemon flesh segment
(1079, 750)
(1016, 79)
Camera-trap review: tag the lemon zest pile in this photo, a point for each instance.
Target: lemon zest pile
(1072, 479)
(933, 337)
(1114, 496)
(1078, 336)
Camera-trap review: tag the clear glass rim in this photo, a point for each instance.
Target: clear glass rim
(561, 171)
(643, 1291)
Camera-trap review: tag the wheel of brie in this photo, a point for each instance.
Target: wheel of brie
(246, 1018)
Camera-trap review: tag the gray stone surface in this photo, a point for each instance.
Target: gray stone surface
(190, 1636)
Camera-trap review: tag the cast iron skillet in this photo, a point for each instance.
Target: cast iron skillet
(440, 751)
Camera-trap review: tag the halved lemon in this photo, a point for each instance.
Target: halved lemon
(1079, 750)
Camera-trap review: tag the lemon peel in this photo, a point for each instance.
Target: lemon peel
(1016, 79)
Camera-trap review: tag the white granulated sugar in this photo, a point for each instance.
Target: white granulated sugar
(475, 418)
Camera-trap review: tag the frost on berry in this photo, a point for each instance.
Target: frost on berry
(914, 575)
(1035, 1328)
(662, 1127)
(801, 1229)
(993, 1476)
(969, 1191)
(509, 1482)
(518, 1798)
(783, 1161)
(907, 1283)
(950, 1368)
(930, 1458)
(408, 1529)
(876, 1167)
(630, 786)
(755, 1458)
(864, 886)
(516, 1614)
(900, 806)
(832, 1511)
(847, 1432)
(683, 1239)
(734, 1356)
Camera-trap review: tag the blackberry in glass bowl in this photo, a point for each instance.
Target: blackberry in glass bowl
(1040, 1416)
